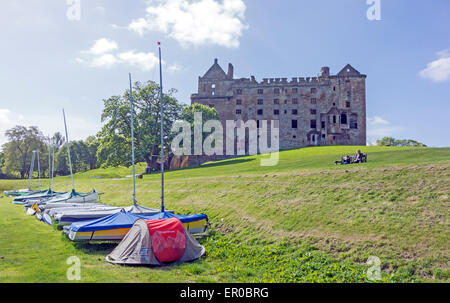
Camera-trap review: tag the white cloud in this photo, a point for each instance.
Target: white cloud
(4, 115)
(105, 60)
(438, 70)
(378, 127)
(195, 22)
(104, 54)
(102, 46)
(145, 61)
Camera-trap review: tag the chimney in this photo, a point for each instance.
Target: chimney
(325, 71)
(216, 61)
(230, 71)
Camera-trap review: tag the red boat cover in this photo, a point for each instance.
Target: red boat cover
(168, 239)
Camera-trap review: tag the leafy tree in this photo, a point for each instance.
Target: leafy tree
(57, 140)
(389, 141)
(207, 112)
(92, 145)
(18, 150)
(61, 162)
(115, 137)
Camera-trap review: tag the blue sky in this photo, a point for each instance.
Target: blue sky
(49, 62)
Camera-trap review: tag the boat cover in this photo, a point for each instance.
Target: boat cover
(156, 242)
(125, 219)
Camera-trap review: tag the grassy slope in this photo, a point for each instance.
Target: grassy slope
(301, 220)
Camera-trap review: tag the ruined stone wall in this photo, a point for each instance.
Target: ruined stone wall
(328, 110)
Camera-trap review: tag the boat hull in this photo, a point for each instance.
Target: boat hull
(117, 234)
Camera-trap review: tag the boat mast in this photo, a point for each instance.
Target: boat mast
(68, 149)
(49, 177)
(132, 140)
(53, 163)
(39, 170)
(162, 134)
(30, 173)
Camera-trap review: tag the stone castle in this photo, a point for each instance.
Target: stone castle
(312, 111)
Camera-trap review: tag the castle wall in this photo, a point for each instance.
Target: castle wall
(328, 110)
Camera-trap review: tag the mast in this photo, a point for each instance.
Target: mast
(132, 140)
(39, 170)
(53, 163)
(49, 177)
(68, 150)
(30, 173)
(162, 134)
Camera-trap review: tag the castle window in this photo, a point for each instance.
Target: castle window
(313, 124)
(260, 101)
(353, 121)
(213, 86)
(334, 104)
(211, 105)
(238, 102)
(276, 111)
(257, 123)
(260, 111)
(294, 101)
(285, 101)
(313, 90)
(276, 91)
(213, 93)
(323, 124)
(239, 91)
(294, 112)
(313, 100)
(294, 90)
(347, 104)
(260, 91)
(238, 112)
(323, 135)
(343, 119)
(276, 101)
(334, 119)
(349, 94)
(334, 88)
(294, 123)
(313, 112)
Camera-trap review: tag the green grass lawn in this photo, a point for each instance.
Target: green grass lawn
(303, 220)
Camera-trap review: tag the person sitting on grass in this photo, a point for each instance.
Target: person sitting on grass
(358, 157)
(344, 160)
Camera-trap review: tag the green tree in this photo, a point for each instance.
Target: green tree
(115, 137)
(389, 141)
(207, 112)
(61, 163)
(92, 145)
(18, 150)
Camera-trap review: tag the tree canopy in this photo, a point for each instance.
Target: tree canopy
(114, 140)
(389, 141)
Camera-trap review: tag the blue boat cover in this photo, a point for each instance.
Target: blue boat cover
(125, 219)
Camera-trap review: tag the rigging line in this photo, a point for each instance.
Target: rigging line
(68, 149)
(53, 163)
(30, 173)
